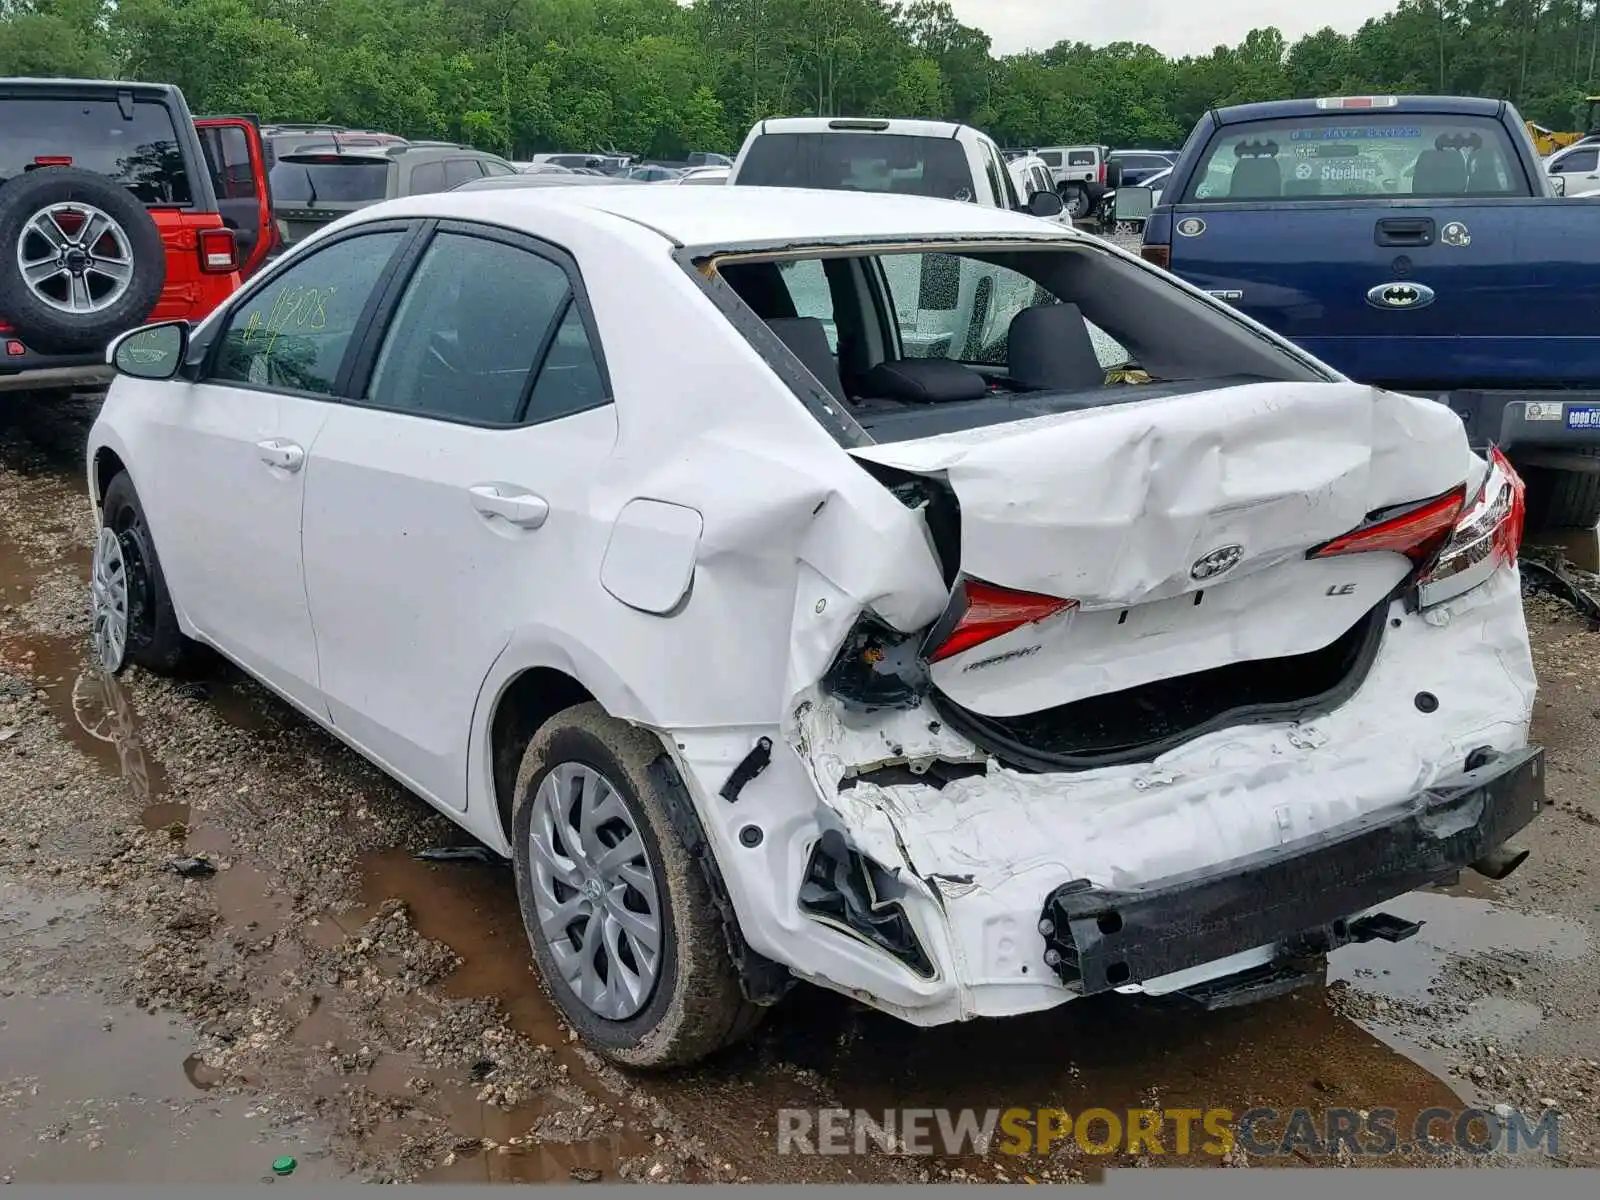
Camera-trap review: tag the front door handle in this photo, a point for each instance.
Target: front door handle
(282, 453)
(519, 508)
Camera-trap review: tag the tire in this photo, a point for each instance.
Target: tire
(695, 1005)
(121, 232)
(153, 639)
(1563, 499)
(1077, 202)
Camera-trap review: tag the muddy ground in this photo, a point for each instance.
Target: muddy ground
(327, 996)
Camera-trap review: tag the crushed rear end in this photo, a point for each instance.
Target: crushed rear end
(1218, 676)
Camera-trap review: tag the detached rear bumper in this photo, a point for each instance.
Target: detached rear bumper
(1300, 895)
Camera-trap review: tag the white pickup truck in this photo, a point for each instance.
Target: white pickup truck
(946, 296)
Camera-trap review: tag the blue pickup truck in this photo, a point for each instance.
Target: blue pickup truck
(1411, 242)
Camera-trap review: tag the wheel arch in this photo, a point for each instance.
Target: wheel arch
(539, 674)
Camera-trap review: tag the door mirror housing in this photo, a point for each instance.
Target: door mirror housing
(151, 351)
(1045, 204)
(1558, 184)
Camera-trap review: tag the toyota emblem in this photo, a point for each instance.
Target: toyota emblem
(1218, 562)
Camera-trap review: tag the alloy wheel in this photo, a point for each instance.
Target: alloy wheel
(595, 892)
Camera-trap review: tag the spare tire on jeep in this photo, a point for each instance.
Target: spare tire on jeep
(80, 259)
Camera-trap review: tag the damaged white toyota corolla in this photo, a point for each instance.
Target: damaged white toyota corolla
(916, 599)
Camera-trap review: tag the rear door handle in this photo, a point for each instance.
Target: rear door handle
(282, 453)
(1404, 231)
(520, 508)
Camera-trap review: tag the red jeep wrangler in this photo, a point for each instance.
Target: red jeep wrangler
(116, 208)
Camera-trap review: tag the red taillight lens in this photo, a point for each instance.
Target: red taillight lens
(52, 160)
(988, 611)
(219, 253)
(1101, 173)
(1418, 532)
(1486, 538)
(1161, 256)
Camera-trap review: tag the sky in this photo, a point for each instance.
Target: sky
(1175, 27)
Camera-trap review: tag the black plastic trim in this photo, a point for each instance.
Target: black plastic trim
(1302, 895)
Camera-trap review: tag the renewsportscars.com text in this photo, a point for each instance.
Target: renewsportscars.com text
(1261, 1132)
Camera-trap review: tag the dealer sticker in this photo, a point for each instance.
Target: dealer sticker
(1541, 410)
(1583, 418)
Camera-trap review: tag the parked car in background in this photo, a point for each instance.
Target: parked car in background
(1136, 166)
(903, 157)
(606, 164)
(1083, 175)
(1443, 266)
(708, 158)
(117, 207)
(1578, 167)
(1137, 203)
(1032, 177)
(966, 681)
(539, 179)
(653, 172)
(296, 139)
(705, 175)
(315, 188)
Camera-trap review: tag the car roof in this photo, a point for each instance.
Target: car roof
(19, 85)
(1450, 106)
(734, 215)
(897, 125)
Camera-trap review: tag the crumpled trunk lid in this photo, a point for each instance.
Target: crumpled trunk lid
(1130, 509)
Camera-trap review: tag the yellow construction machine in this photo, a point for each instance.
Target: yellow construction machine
(1547, 142)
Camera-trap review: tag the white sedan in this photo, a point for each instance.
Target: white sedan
(630, 528)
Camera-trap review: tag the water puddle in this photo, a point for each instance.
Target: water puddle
(96, 1091)
(1453, 927)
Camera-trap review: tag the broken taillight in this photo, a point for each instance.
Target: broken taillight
(1484, 539)
(1417, 531)
(986, 612)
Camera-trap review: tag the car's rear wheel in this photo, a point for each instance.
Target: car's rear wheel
(1077, 202)
(132, 617)
(627, 941)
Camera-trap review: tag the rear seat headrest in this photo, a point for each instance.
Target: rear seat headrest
(1048, 348)
(807, 339)
(924, 381)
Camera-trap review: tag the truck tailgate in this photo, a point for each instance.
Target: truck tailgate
(1411, 293)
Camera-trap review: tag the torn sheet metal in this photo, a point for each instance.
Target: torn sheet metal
(1180, 526)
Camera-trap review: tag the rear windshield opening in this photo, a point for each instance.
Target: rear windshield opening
(925, 343)
(860, 162)
(1340, 156)
(1081, 158)
(298, 183)
(143, 152)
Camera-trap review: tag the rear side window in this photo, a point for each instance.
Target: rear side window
(227, 151)
(466, 341)
(1341, 156)
(861, 162)
(427, 178)
(308, 184)
(1051, 157)
(459, 170)
(141, 151)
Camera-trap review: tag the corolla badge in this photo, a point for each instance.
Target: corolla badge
(1400, 294)
(1219, 561)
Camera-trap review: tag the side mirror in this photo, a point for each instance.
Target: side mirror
(151, 351)
(1045, 204)
(1558, 184)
